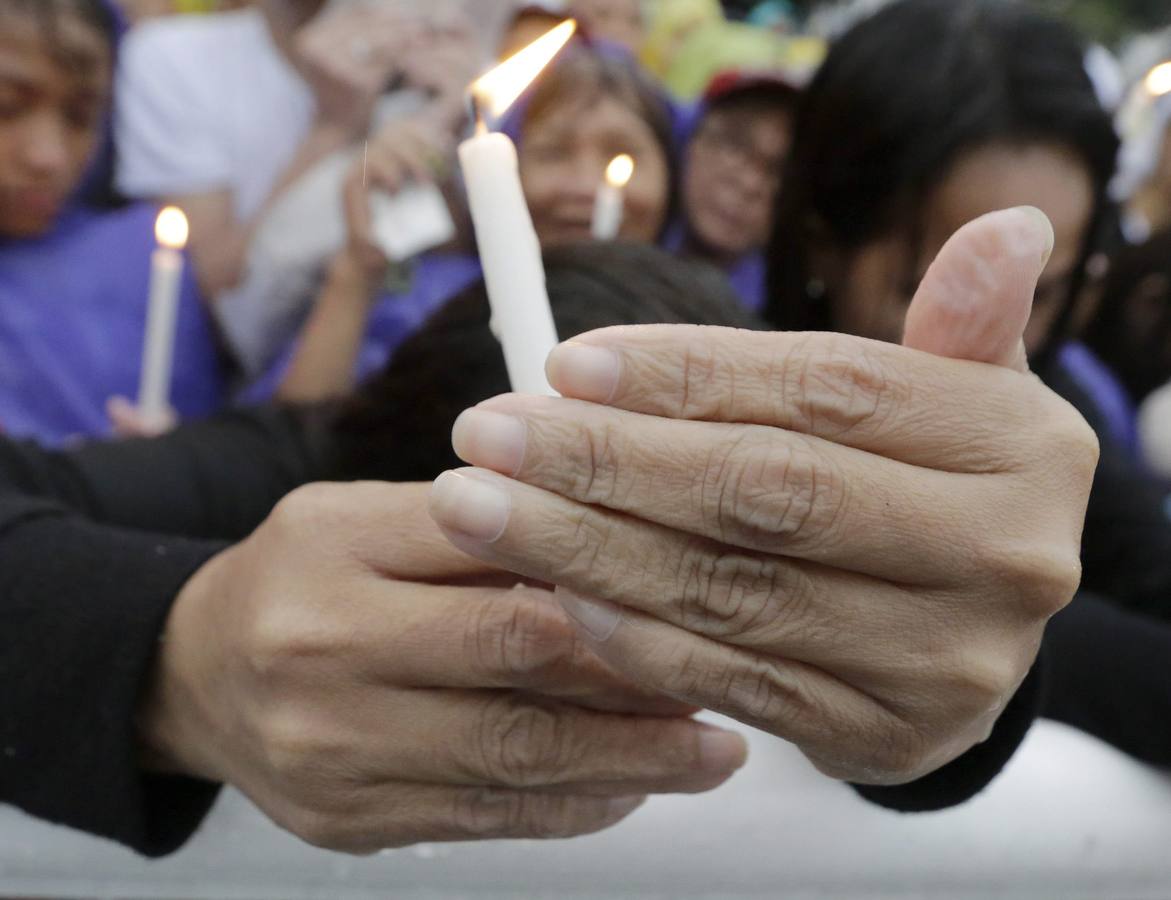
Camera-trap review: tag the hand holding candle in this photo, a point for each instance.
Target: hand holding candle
(609, 207)
(509, 250)
(166, 277)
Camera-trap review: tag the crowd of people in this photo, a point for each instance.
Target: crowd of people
(937, 235)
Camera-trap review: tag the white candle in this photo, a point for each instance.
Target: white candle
(510, 252)
(610, 203)
(166, 276)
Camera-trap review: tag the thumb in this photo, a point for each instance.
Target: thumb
(976, 298)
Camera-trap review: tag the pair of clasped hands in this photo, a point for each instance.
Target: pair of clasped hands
(851, 545)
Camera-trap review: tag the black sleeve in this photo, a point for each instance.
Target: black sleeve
(83, 606)
(215, 479)
(963, 778)
(1108, 676)
(1126, 549)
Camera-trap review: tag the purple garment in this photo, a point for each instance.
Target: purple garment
(72, 321)
(748, 273)
(1103, 388)
(437, 278)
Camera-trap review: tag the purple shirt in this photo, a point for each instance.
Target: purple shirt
(73, 310)
(436, 279)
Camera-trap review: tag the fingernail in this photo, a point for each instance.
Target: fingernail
(584, 371)
(722, 751)
(490, 439)
(597, 618)
(1038, 237)
(621, 807)
(471, 505)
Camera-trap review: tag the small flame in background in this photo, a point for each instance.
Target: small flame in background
(171, 228)
(620, 170)
(1158, 80)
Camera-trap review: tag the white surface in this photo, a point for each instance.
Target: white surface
(208, 103)
(1069, 819)
(410, 222)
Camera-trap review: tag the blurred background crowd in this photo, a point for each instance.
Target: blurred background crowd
(312, 144)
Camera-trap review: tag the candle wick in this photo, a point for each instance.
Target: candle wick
(478, 114)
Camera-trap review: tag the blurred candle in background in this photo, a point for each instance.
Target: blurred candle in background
(609, 206)
(166, 277)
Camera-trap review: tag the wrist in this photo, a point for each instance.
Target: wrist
(175, 723)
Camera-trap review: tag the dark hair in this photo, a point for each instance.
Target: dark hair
(755, 98)
(1131, 332)
(398, 425)
(97, 14)
(590, 71)
(97, 187)
(900, 98)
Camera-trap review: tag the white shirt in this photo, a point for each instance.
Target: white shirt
(205, 104)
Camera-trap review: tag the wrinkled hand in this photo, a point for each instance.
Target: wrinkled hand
(852, 545)
(349, 56)
(368, 686)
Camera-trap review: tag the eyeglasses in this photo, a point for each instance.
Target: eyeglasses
(736, 149)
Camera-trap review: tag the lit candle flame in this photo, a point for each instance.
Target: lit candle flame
(620, 171)
(499, 89)
(171, 228)
(1158, 80)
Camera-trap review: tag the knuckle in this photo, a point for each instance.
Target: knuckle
(310, 510)
(553, 817)
(282, 644)
(597, 471)
(293, 751)
(762, 695)
(1039, 580)
(492, 813)
(321, 830)
(901, 756)
(523, 640)
(522, 744)
(753, 691)
(584, 547)
(703, 382)
(483, 813)
(835, 385)
(974, 684)
(1064, 435)
(738, 596)
(770, 492)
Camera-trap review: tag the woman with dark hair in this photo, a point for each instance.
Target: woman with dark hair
(74, 277)
(734, 150)
(923, 117)
(594, 104)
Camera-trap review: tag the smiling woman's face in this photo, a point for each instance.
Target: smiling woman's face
(53, 97)
(872, 287)
(563, 159)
